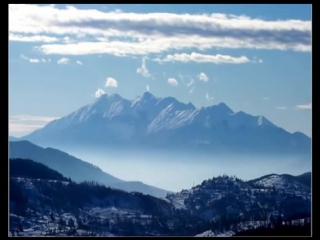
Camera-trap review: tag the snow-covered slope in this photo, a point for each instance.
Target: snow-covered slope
(114, 121)
(274, 180)
(264, 196)
(210, 233)
(283, 182)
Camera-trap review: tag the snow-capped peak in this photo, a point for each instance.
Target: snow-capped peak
(145, 99)
(263, 121)
(115, 97)
(147, 96)
(223, 107)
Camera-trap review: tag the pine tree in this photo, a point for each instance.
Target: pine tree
(71, 223)
(52, 217)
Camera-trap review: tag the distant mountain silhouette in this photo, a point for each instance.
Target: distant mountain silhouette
(26, 168)
(304, 178)
(75, 168)
(12, 139)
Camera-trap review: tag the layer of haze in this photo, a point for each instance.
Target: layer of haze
(174, 172)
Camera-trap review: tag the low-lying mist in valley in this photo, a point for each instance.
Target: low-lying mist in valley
(175, 171)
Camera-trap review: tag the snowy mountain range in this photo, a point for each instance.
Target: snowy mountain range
(165, 123)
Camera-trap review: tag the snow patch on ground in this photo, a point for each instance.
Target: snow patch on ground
(210, 233)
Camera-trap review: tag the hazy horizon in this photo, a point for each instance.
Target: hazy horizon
(177, 171)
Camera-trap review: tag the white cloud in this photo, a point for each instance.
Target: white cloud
(43, 60)
(49, 60)
(282, 108)
(257, 60)
(118, 11)
(144, 33)
(79, 62)
(63, 61)
(173, 82)
(31, 60)
(202, 58)
(304, 106)
(203, 77)
(147, 88)
(208, 97)
(99, 92)
(34, 60)
(190, 83)
(68, 40)
(265, 98)
(158, 60)
(24, 57)
(111, 82)
(192, 89)
(143, 69)
(34, 38)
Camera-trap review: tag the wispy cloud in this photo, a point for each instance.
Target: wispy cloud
(111, 83)
(24, 57)
(186, 79)
(34, 60)
(173, 82)
(190, 83)
(68, 40)
(34, 38)
(143, 69)
(281, 108)
(99, 92)
(19, 118)
(192, 89)
(257, 60)
(79, 62)
(31, 60)
(208, 97)
(147, 88)
(203, 58)
(307, 106)
(203, 77)
(63, 61)
(153, 32)
(24, 124)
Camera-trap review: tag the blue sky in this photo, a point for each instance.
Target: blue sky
(254, 58)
